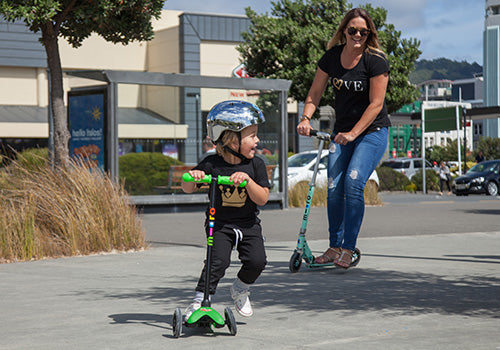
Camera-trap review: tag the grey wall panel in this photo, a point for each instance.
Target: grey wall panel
(218, 28)
(19, 47)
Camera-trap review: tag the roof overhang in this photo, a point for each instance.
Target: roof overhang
(182, 80)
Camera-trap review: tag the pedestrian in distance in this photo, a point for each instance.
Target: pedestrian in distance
(444, 178)
(479, 157)
(359, 72)
(208, 148)
(233, 126)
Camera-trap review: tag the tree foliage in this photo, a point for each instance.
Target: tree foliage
(117, 21)
(447, 153)
(443, 68)
(288, 43)
(490, 147)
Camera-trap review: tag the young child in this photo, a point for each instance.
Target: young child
(232, 126)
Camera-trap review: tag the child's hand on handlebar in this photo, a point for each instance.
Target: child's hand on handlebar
(197, 174)
(239, 177)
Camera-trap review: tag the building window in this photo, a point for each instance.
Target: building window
(478, 129)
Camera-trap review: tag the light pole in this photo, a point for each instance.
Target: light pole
(197, 96)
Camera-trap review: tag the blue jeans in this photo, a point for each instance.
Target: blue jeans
(349, 167)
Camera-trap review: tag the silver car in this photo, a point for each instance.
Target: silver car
(406, 166)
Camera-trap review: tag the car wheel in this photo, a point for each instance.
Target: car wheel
(492, 188)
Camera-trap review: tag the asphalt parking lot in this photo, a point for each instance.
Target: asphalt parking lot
(429, 278)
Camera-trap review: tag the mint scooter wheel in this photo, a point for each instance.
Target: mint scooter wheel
(356, 257)
(177, 323)
(230, 320)
(295, 261)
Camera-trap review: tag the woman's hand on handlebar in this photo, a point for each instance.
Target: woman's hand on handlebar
(304, 127)
(342, 138)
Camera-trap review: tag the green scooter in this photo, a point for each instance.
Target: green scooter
(206, 316)
(303, 252)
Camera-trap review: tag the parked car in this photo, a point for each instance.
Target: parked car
(483, 177)
(407, 166)
(301, 168)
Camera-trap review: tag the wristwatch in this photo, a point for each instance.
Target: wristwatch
(304, 117)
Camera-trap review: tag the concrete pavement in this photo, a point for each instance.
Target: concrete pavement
(411, 290)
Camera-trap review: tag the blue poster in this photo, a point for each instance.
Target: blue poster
(87, 120)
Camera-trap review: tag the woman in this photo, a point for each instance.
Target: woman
(359, 73)
(444, 178)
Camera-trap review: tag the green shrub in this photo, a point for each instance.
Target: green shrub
(142, 172)
(391, 180)
(431, 180)
(33, 158)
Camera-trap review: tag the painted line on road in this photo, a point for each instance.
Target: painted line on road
(433, 202)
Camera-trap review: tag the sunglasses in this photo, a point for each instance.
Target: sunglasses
(354, 30)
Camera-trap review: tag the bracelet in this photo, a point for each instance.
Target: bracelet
(305, 117)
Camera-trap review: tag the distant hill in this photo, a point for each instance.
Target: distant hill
(443, 68)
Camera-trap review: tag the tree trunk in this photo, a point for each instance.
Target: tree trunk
(61, 132)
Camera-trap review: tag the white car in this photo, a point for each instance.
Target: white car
(407, 166)
(301, 168)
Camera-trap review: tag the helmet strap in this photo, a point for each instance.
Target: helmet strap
(233, 152)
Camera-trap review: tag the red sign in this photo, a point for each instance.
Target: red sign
(240, 72)
(409, 154)
(394, 153)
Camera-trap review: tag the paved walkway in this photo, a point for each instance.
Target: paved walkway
(414, 291)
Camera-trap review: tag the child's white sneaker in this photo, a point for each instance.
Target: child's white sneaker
(190, 309)
(241, 300)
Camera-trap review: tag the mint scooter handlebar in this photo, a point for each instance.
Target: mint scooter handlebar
(221, 180)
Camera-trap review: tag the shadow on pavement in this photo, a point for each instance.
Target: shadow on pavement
(354, 291)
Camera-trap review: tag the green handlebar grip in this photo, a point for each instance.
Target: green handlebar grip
(223, 180)
(186, 177)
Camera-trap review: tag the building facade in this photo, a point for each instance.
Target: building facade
(491, 65)
(163, 119)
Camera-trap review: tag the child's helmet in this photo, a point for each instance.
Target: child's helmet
(232, 115)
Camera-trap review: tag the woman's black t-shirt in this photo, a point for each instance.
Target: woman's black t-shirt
(352, 88)
(232, 204)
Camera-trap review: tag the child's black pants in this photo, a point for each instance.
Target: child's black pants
(250, 246)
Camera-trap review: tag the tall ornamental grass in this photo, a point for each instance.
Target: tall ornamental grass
(297, 195)
(47, 212)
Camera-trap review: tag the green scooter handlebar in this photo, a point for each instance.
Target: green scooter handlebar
(221, 180)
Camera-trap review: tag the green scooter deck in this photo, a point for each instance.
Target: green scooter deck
(205, 317)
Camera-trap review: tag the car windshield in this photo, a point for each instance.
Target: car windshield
(396, 164)
(300, 159)
(483, 166)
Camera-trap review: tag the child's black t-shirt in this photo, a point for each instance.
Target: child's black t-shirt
(232, 204)
(352, 88)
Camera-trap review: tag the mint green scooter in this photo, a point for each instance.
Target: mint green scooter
(206, 316)
(303, 252)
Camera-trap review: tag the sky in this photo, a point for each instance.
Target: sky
(451, 29)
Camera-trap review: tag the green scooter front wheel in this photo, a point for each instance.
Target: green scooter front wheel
(295, 261)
